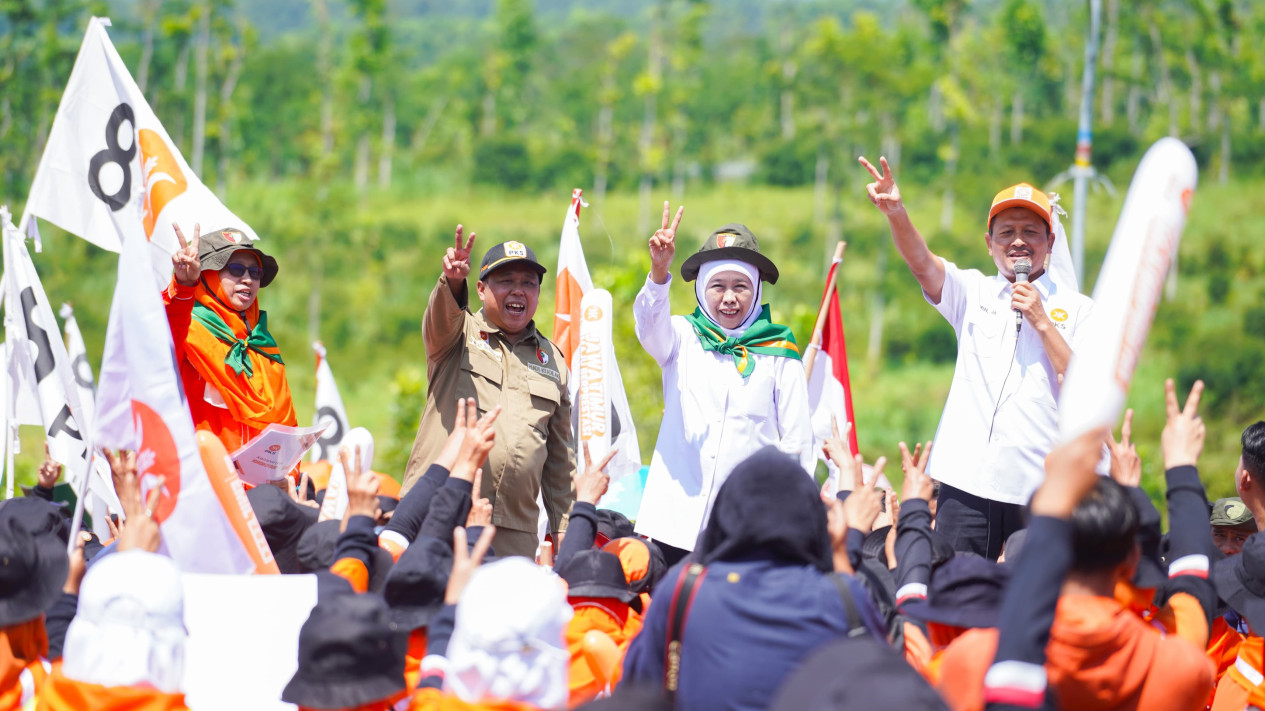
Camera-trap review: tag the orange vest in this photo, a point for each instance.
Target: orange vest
(64, 694)
(430, 699)
(612, 617)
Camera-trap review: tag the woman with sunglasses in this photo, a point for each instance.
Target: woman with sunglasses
(230, 365)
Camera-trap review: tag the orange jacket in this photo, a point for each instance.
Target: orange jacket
(252, 402)
(1223, 645)
(1243, 683)
(612, 617)
(63, 694)
(23, 668)
(430, 699)
(1100, 656)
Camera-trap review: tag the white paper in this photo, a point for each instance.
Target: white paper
(243, 638)
(275, 452)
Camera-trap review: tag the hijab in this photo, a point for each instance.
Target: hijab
(768, 509)
(718, 266)
(234, 352)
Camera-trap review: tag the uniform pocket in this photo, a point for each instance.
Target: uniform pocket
(545, 397)
(480, 379)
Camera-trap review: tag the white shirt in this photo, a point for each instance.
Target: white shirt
(996, 430)
(713, 418)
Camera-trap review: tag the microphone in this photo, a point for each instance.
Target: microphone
(1023, 267)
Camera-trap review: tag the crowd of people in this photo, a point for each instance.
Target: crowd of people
(1009, 572)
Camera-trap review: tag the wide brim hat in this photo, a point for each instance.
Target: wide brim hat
(594, 573)
(216, 248)
(855, 673)
(349, 655)
(966, 591)
(733, 241)
(33, 561)
(415, 588)
(1240, 581)
(283, 522)
(509, 253)
(1233, 513)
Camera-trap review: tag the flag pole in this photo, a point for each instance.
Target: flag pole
(814, 343)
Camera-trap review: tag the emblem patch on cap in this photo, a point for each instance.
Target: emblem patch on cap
(1235, 509)
(1023, 192)
(1058, 315)
(543, 356)
(515, 249)
(725, 240)
(232, 236)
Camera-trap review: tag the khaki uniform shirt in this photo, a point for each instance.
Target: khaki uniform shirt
(534, 450)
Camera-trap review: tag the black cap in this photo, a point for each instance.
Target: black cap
(33, 561)
(349, 655)
(283, 522)
(1240, 581)
(592, 573)
(507, 253)
(733, 241)
(612, 525)
(316, 551)
(416, 585)
(965, 592)
(216, 248)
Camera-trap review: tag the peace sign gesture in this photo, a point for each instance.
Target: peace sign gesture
(457, 261)
(185, 262)
(883, 192)
(663, 245)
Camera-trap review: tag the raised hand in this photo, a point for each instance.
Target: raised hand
(1027, 300)
(475, 445)
(480, 508)
(142, 532)
(50, 470)
(465, 561)
(1126, 465)
(864, 504)
(452, 446)
(917, 484)
(883, 191)
(663, 245)
(457, 261)
(592, 484)
(185, 263)
(362, 487)
(1183, 438)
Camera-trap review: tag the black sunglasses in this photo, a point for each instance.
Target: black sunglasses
(237, 271)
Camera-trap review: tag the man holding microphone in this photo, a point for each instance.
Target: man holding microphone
(1015, 338)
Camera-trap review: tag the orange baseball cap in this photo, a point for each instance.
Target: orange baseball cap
(1025, 196)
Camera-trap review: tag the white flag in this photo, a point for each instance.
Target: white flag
(1128, 288)
(39, 366)
(142, 406)
(574, 282)
(329, 410)
(110, 169)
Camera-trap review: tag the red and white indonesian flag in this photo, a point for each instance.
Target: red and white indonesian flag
(329, 410)
(42, 387)
(109, 168)
(574, 284)
(207, 524)
(829, 387)
(1128, 288)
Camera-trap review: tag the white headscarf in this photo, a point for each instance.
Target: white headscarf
(508, 639)
(129, 628)
(711, 269)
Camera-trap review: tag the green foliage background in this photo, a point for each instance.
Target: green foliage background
(354, 135)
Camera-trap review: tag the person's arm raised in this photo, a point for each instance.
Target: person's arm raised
(652, 310)
(885, 195)
(443, 319)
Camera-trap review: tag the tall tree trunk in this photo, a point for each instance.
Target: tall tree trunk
(199, 96)
(789, 69)
(324, 71)
(874, 348)
(678, 162)
(645, 143)
(935, 108)
(820, 189)
(181, 81)
(388, 144)
(1196, 92)
(1133, 105)
(950, 173)
(994, 128)
(487, 126)
(226, 123)
(1016, 119)
(1108, 104)
(360, 169)
(605, 137)
(1165, 95)
(149, 15)
(422, 136)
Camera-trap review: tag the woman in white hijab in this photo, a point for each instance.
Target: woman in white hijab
(125, 647)
(732, 379)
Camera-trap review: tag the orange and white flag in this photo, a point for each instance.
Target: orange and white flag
(574, 282)
(109, 168)
(207, 523)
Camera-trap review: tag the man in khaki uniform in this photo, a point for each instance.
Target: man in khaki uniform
(498, 357)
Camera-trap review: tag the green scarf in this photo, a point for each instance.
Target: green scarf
(762, 336)
(259, 340)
